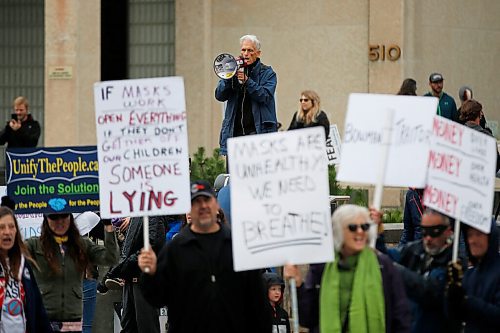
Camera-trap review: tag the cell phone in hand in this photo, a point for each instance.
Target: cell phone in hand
(13, 116)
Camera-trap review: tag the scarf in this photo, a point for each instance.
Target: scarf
(367, 307)
(60, 240)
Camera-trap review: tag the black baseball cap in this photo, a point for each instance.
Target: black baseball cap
(435, 77)
(201, 187)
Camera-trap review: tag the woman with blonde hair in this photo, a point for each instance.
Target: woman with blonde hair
(309, 113)
(21, 306)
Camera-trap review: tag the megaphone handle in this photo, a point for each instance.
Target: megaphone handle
(241, 70)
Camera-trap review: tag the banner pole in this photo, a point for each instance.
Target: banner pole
(379, 186)
(456, 240)
(295, 308)
(145, 228)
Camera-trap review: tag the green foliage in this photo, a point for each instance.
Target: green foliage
(207, 168)
(393, 216)
(358, 196)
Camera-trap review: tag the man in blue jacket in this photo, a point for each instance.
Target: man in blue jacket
(250, 100)
(476, 299)
(446, 107)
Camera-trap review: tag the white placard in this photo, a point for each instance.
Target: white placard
(461, 177)
(333, 145)
(142, 147)
(409, 145)
(280, 208)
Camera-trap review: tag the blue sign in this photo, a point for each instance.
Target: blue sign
(53, 180)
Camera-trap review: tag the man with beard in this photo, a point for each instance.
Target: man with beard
(22, 131)
(446, 107)
(423, 266)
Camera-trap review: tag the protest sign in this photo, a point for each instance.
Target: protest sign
(279, 199)
(409, 132)
(48, 180)
(461, 173)
(142, 147)
(333, 145)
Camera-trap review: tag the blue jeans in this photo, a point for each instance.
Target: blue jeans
(89, 300)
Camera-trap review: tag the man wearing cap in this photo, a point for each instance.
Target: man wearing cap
(446, 107)
(194, 276)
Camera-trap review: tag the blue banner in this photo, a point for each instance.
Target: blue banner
(53, 180)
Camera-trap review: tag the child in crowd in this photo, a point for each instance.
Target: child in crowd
(275, 288)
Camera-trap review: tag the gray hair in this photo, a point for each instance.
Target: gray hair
(445, 220)
(344, 215)
(251, 38)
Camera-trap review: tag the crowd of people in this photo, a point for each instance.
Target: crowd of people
(413, 287)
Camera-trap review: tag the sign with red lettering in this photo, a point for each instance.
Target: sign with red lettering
(461, 173)
(142, 147)
(408, 139)
(280, 184)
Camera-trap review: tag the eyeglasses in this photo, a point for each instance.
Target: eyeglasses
(354, 227)
(304, 100)
(58, 216)
(434, 231)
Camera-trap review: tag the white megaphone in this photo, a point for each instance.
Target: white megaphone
(226, 66)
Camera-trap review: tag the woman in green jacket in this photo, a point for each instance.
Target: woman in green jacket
(62, 256)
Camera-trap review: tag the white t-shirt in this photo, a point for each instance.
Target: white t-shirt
(13, 318)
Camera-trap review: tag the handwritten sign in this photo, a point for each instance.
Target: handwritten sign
(142, 147)
(362, 145)
(461, 176)
(57, 179)
(333, 146)
(279, 199)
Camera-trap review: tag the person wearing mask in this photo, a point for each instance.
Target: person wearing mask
(21, 305)
(62, 256)
(310, 113)
(475, 299)
(194, 277)
(250, 107)
(361, 291)
(275, 289)
(22, 131)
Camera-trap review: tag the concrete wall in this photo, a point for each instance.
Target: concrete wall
(72, 41)
(320, 45)
(323, 45)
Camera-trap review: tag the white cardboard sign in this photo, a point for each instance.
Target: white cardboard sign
(280, 208)
(142, 147)
(362, 144)
(461, 176)
(333, 145)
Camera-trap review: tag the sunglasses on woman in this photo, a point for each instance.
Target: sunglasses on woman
(354, 227)
(434, 231)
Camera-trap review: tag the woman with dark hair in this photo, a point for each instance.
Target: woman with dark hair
(309, 113)
(62, 256)
(408, 87)
(20, 301)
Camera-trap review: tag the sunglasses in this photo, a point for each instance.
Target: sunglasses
(354, 227)
(434, 231)
(58, 216)
(304, 100)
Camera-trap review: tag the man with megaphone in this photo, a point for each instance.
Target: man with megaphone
(250, 100)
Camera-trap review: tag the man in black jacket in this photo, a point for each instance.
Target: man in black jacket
(137, 312)
(22, 131)
(194, 277)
